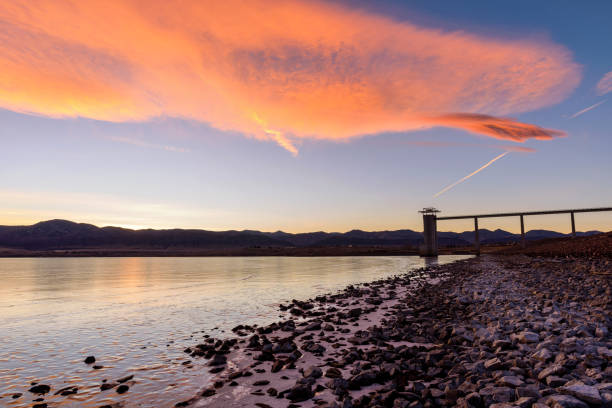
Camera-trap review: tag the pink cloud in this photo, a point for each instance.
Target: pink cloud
(277, 71)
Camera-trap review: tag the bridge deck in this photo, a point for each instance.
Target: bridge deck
(517, 214)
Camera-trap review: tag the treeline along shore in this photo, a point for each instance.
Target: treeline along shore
(493, 331)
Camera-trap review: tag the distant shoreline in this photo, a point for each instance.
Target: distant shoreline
(232, 252)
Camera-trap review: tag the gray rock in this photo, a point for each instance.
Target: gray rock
(564, 401)
(510, 381)
(493, 364)
(554, 381)
(551, 370)
(604, 387)
(543, 355)
(606, 398)
(503, 394)
(568, 345)
(530, 391)
(524, 402)
(584, 392)
(528, 337)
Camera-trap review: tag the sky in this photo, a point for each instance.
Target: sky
(304, 115)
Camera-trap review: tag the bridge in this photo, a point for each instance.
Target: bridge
(430, 222)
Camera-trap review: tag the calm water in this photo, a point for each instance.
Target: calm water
(136, 315)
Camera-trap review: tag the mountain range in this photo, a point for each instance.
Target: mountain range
(63, 234)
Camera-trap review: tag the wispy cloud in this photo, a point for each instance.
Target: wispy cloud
(307, 69)
(461, 180)
(605, 84)
(142, 143)
(585, 110)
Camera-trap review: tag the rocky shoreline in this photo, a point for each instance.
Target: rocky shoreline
(491, 331)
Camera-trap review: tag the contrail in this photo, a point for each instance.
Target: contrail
(445, 189)
(585, 110)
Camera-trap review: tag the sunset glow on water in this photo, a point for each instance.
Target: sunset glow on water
(136, 315)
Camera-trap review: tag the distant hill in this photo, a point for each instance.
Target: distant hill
(62, 234)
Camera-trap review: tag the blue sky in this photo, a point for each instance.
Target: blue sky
(170, 171)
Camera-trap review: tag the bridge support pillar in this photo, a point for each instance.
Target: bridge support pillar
(430, 235)
(476, 236)
(523, 242)
(573, 225)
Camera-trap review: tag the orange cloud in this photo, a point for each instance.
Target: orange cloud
(605, 84)
(273, 70)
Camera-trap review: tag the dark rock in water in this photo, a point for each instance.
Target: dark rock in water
(313, 326)
(90, 360)
(122, 389)
(362, 379)
(313, 347)
(265, 356)
(355, 312)
(333, 373)
(313, 372)
(125, 379)
(217, 369)
(254, 341)
(218, 359)
(277, 366)
(40, 389)
(273, 392)
(16, 395)
(296, 312)
(98, 367)
(299, 393)
(67, 391)
(261, 382)
(42, 405)
(338, 385)
(210, 391)
(107, 386)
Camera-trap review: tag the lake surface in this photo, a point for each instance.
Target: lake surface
(136, 315)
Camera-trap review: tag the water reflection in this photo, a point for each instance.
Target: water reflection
(137, 314)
